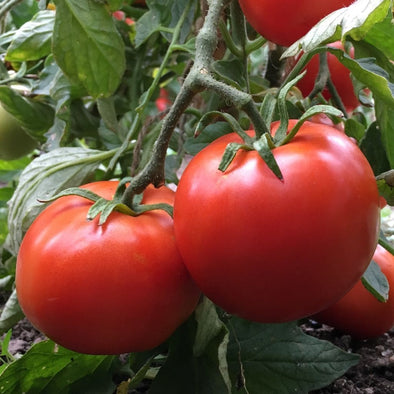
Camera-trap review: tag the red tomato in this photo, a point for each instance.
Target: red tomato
(272, 250)
(163, 101)
(340, 77)
(119, 15)
(116, 288)
(284, 22)
(359, 313)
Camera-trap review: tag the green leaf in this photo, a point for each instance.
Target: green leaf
(376, 282)
(44, 177)
(354, 129)
(196, 361)
(87, 46)
(372, 147)
(164, 14)
(385, 119)
(368, 72)
(33, 40)
(32, 114)
(3, 224)
(381, 36)
(229, 154)
(385, 182)
(48, 368)
(263, 147)
(231, 71)
(10, 169)
(354, 21)
(10, 315)
(281, 359)
(23, 12)
(210, 133)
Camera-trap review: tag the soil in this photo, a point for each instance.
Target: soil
(374, 374)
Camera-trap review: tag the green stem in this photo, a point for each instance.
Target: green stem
(238, 25)
(322, 76)
(386, 245)
(230, 44)
(252, 46)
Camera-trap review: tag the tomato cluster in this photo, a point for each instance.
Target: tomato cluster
(260, 247)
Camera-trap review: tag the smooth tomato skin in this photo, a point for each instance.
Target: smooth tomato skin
(340, 76)
(14, 141)
(284, 22)
(272, 250)
(116, 288)
(359, 313)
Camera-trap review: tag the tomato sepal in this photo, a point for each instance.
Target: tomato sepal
(281, 139)
(229, 153)
(264, 146)
(104, 207)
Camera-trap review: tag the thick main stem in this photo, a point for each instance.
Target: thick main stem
(198, 79)
(206, 43)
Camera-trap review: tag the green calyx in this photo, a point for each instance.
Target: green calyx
(103, 207)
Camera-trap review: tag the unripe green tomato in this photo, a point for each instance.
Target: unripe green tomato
(14, 141)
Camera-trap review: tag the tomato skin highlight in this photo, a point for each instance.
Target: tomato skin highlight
(117, 288)
(359, 313)
(272, 250)
(284, 22)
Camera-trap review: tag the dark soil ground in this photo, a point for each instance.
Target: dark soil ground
(373, 375)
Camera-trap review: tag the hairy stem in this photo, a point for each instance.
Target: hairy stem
(198, 79)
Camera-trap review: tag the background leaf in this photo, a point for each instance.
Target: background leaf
(197, 357)
(33, 40)
(34, 115)
(355, 21)
(376, 282)
(48, 368)
(86, 27)
(46, 176)
(281, 359)
(10, 314)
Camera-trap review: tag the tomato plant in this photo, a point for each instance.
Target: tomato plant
(108, 289)
(14, 140)
(282, 257)
(359, 313)
(339, 75)
(83, 77)
(285, 22)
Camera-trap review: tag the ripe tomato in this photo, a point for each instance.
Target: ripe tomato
(359, 313)
(109, 289)
(163, 101)
(272, 250)
(284, 22)
(14, 141)
(340, 77)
